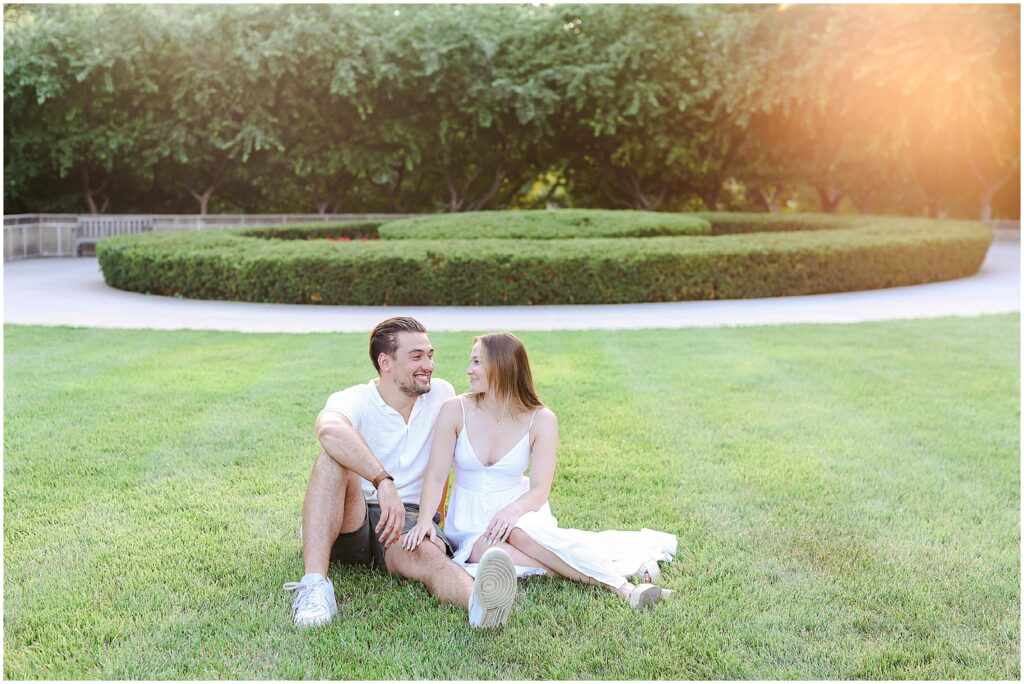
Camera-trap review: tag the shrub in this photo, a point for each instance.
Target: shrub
(560, 224)
(312, 231)
(824, 254)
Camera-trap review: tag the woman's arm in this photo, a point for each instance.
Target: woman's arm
(442, 453)
(542, 472)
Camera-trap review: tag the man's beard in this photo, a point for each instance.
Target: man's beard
(412, 388)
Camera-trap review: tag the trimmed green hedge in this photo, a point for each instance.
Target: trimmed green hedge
(823, 254)
(560, 224)
(311, 231)
(726, 223)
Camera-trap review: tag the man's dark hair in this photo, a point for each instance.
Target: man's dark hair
(382, 339)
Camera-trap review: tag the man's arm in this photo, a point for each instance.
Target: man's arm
(347, 447)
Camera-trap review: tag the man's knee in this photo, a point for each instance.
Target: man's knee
(478, 549)
(327, 468)
(333, 490)
(419, 563)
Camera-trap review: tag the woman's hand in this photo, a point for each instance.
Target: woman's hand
(502, 525)
(418, 533)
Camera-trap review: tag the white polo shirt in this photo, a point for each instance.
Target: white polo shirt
(402, 448)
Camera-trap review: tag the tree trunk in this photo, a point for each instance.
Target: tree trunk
(480, 202)
(989, 186)
(321, 207)
(986, 209)
(829, 196)
(396, 189)
(203, 199)
(709, 198)
(460, 200)
(769, 201)
(636, 197)
(91, 193)
(559, 182)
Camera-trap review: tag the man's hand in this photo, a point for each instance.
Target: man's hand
(502, 525)
(392, 514)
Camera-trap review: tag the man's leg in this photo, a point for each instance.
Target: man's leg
(488, 599)
(429, 565)
(333, 505)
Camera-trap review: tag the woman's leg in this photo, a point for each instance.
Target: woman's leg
(518, 557)
(522, 542)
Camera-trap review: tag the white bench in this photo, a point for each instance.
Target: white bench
(92, 229)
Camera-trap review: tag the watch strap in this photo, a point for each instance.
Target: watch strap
(380, 477)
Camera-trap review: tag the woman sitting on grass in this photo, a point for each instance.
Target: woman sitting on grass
(493, 434)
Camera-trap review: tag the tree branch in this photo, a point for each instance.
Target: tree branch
(455, 204)
(499, 175)
(469, 181)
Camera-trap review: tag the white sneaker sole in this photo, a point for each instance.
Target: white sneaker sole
(494, 590)
(318, 621)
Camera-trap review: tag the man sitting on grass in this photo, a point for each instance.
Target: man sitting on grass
(364, 490)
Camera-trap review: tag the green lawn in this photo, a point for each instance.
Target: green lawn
(846, 499)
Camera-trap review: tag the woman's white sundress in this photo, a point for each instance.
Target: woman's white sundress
(480, 491)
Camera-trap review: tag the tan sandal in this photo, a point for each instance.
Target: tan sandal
(649, 573)
(644, 596)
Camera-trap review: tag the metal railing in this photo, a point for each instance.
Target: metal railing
(31, 236)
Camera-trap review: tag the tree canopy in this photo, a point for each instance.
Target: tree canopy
(418, 108)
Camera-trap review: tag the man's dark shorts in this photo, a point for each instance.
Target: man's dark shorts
(363, 546)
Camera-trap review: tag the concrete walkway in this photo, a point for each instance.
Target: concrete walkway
(72, 292)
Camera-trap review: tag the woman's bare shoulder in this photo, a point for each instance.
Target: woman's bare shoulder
(546, 418)
(450, 408)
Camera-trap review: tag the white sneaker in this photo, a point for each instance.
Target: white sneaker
(314, 604)
(494, 590)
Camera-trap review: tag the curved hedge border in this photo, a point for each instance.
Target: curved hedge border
(355, 230)
(545, 225)
(774, 256)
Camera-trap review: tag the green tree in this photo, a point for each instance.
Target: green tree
(643, 121)
(855, 100)
(465, 104)
(218, 107)
(75, 93)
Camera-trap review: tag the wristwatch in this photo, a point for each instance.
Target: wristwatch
(380, 477)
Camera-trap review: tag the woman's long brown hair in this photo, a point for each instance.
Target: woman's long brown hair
(508, 371)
